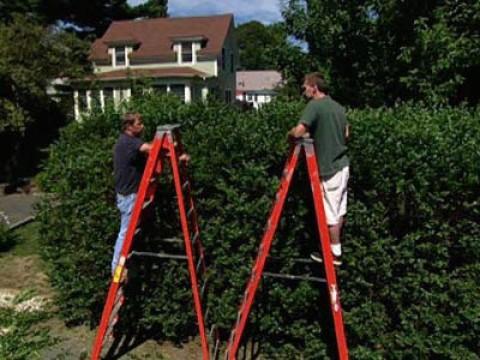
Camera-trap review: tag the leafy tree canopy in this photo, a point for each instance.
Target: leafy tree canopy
(82, 16)
(377, 52)
(30, 57)
(264, 47)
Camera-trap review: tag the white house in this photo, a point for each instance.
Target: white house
(257, 87)
(188, 56)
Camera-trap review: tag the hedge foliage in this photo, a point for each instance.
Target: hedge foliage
(411, 274)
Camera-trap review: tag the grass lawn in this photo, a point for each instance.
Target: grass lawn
(28, 240)
(43, 334)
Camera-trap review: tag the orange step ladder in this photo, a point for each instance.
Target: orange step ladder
(305, 145)
(166, 146)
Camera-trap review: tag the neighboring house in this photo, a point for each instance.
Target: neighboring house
(188, 56)
(257, 87)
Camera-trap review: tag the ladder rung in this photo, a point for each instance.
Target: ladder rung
(119, 299)
(119, 294)
(204, 286)
(215, 340)
(147, 203)
(185, 184)
(159, 255)
(190, 211)
(171, 240)
(195, 237)
(116, 307)
(205, 316)
(239, 315)
(295, 260)
(137, 231)
(199, 262)
(110, 326)
(294, 277)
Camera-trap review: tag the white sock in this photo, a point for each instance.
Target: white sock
(336, 249)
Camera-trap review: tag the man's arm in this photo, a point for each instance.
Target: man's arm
(145, 148)
(298, 131)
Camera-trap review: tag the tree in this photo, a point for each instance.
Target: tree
(263, 47)
(449, 49)
(83, 17)
(254, 42)
(30, 57)
(151, 9)
(378, 52)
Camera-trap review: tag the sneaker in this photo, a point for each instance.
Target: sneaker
(315, 256)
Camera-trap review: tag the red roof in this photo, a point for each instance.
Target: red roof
(148, 73)
(154, 37)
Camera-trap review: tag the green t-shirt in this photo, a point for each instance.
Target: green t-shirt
(326, 122)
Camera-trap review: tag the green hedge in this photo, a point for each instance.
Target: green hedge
(411, 273)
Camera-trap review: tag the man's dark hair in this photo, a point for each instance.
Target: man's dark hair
(317, 78)
(129, 119)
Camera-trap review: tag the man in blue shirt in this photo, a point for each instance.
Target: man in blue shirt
(128, 162)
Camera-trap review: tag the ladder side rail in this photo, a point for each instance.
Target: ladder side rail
(269, 234)
(184, 176)
(194, 216)
(115, 284)
(324, 236)
(188, 247)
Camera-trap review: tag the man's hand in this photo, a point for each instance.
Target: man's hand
(146, 147)
(184, 157)
(297, 132)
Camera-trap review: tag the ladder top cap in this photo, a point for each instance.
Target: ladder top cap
(304, 141)
(167, 127)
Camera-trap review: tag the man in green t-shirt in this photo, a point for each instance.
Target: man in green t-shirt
(325, 120)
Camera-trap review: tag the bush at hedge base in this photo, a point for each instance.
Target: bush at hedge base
(411, 274)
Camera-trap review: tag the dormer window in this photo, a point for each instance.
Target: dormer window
(120, 56)
(186, 48)
(187, 53)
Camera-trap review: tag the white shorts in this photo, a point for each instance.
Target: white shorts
(335, 196)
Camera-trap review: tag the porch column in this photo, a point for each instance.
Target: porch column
(188, 93)
(76, 110)
(204, 93)
(89, 99)
(102, 100)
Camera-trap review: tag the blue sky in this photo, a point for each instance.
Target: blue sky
(265, 11)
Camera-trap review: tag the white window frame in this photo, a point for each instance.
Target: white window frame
(114, 57)
(192, 49)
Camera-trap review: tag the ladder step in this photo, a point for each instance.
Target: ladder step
(170, 240)
(294, 260)
(110, 327)
(190, 211)
(185, 185)
(159, 255)
(294, 277)
(199, 263)
(195, 237)
(119, 294)
(147, 203)
(213, 335)
(116, 307)
(204, 286)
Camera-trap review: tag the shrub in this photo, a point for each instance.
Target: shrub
(7, 237)
(411, 257)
